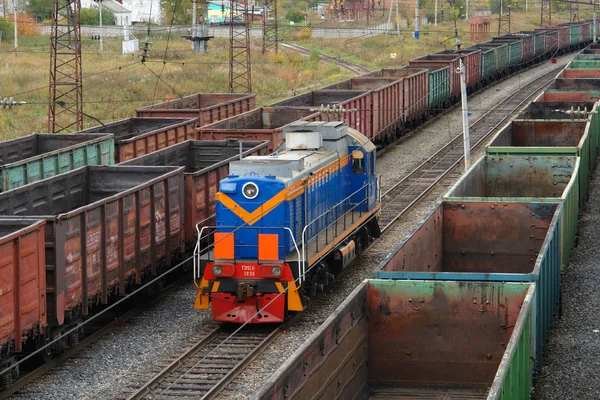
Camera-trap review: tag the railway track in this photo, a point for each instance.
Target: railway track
(350, 66)
(401, 197)
(214, 358)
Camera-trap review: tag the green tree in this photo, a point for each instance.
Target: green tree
(40, 9)
(180, 16)
(7, 29)
(91, 16)
(295, 15)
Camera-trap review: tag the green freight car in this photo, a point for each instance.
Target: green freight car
(32, 158)
(526, 179)
(417, 339)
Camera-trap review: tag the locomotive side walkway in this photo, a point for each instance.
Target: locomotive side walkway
(571, 368)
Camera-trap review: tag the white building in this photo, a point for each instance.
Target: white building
(144, 10)
(123, 15)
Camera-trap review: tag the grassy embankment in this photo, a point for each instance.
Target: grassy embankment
(127, 84)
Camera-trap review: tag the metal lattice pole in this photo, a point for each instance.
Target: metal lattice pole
(240, 74)
(546, 16)
(270, 39)
(65, 99)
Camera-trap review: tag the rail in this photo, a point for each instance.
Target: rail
(350, 66)
(207, 366)
(401, 197)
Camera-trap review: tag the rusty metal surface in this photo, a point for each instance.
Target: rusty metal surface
(358, 105)
(209, 108)
(512, 177)
(423, 332)
(453, 64)
(540, 133)
(332, 363)
(554, 109)
(105, 228)
(361, 83)
(265, 123)
(135, 137)
(22, 282)
(476, 237)
(206, 162)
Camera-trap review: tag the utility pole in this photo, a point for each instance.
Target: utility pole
(16, 32)
(194, 12)
(465, 115)
(546, 17)
(594, 26)
(240, 72)
(270, 37)
(467, 10)
(436, 9)
(65, 99)
(100, 8)
(504, 20)
(417, 19)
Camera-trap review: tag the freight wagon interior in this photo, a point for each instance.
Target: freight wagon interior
(556, 110)
(409, 339)
(478, 238)
(512, 176)
(368, 83)
(541, 133)
(196, 101)
(131, 127)
(67, 192)
(195, 155)
(39, 144)
(260, 118)
(320, 97)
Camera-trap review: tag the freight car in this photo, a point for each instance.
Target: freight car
(206, 163)
(135, 137)
(208, 108)
(526, 179)
(22, 290)
(265, 123)
(416, 339)
(31, 158)
(105, 228)
(477, 242)
(288, 223)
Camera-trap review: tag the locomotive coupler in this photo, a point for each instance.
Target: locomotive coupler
(244, 291)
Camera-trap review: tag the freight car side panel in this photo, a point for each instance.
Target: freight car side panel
(22, 281)
(135, 137)
(439, 88)
(452, 65)
(425, 339)
(103, 224)
(209, 108)
(528, 179)
(31, 158)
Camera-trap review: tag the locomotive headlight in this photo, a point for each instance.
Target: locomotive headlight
(217, 270)
(250, 190)
(276, 271)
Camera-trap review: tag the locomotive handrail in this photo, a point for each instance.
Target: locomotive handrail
(198, 251)
(347, 199)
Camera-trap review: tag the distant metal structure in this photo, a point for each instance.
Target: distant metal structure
(240, 72)
(65, 100)
(270, 38)
(504, 19)
(479, 28)
(198, 35)
(546, 13)
(347, 10)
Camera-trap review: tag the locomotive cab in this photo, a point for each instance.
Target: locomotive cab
(287, 223)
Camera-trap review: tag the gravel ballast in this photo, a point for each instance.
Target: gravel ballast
(104, 370)
(571, 368)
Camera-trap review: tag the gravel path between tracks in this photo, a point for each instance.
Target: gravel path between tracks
(572, 364)
(103, 370)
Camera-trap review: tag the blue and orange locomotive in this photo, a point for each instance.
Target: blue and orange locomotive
(287, 223)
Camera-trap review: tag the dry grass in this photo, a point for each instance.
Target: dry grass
(115, 85)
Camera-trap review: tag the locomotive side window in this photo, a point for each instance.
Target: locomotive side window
(358, 159)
